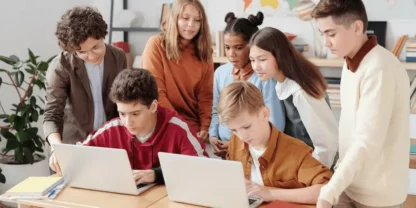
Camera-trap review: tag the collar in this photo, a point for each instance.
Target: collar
(271, 144)
(243, 74)
(286, 88)
(354, 63)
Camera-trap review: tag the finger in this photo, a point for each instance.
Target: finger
(216, 149)
(198, 134)
(223, 146)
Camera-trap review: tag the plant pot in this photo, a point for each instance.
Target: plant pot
(15, 173)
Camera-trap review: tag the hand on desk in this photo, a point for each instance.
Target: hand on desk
(54, 165)
(256, 190)
(220, 147)
(144, 176)
(323, 204)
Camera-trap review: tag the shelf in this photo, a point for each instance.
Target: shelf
(329, 62)
(136, 29)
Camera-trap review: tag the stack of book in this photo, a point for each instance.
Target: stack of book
(333, 91)
(411, 50)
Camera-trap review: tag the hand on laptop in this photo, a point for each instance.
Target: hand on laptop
(256, 190)
(144, 176)
(53, 164)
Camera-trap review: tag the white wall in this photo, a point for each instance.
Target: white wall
(29, 24)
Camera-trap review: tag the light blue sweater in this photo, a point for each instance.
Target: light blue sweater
(222, 77)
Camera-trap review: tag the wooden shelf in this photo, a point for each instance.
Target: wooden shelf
(329, 62)
(136, 29)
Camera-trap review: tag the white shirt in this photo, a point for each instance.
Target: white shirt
(317, 116)
(95, 75)
(255, 175)
(373, 133)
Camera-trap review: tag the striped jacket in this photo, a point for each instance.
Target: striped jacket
(171, 135)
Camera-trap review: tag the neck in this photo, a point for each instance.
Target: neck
(359, 45)
(244, 69)
(149, 128)
(185, 42)
(265, 140)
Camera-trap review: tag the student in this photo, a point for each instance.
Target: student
(79, 79)
(237, 35)
(301, 87)
(374, 123)
(276, 166)
(181, 60)
(144, 128)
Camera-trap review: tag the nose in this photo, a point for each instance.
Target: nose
(127, 121)
(231, 52)
(92, 56)
(327, 43)
(255, 66)
(191, 23)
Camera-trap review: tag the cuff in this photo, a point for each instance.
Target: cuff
(159, 175)
(327, 194)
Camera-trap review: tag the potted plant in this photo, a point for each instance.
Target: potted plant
(20, 131)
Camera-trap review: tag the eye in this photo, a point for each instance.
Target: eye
(263, 60)
(227, 48)
(247, 127)
(198, 20)
(331, 35)
(122, 114)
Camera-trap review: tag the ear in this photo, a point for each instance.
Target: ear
(266, 113)
(153, 106)
(358, 27)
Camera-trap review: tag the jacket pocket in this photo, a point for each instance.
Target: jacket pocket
(290, 184)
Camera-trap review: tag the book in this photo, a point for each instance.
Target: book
(413, 149)
(34, 186)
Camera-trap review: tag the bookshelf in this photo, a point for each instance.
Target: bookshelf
(329, 62)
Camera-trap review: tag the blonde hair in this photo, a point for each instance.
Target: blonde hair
(171, 36)
(237, 97)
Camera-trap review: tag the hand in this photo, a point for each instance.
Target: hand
(256, 190)
(323, 204)
(144, 176)
(203, 135)
(53, 164)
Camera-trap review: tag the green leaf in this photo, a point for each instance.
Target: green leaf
(50, 59)
(19, 123)
(43, 66)
(2, 178)
(12, 143)
(3, 70)
(33, 101)
(7, 134)
(38, 141)
(28, 155)
(35, 116)
(42, 112)
(12, 118)
(40, 84)
(14, 58)
(6, 60)
(4, 116)
(32, 131)
(18, 155)
(32, 57)
(18, 78)
(23, 136)
(1, 81)
(30, 71)
(41, 99)
(25, 109)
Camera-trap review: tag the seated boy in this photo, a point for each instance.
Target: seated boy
(276, 166)
(144, 128)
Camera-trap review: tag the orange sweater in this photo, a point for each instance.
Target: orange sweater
(185, 86)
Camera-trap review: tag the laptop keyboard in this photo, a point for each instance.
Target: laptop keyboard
(141, 185)
(251, 201)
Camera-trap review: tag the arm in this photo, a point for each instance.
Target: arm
(373, 117)
(321, 125)
(152, 61)
(57, 83)
(205, 97)
(188, 142)
(213, 127)
(307, 195)
(158, 175)
(277, 112)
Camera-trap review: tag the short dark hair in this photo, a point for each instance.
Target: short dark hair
(77, 25)
(342, 11)
(243, 27)
(290, 61)
(134, 85)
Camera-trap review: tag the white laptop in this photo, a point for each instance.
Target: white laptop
(97, 168)
(205, 182)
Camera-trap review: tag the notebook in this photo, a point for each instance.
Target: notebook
(34, 186)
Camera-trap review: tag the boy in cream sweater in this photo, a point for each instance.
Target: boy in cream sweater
(374, 125)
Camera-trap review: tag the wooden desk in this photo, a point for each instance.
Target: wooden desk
(165, 202)
(81, 198)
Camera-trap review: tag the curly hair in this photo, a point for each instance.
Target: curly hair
(77, 25)
(134, 85)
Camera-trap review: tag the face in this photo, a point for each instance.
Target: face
(189, 22)
(252, 129)
(236, 50)
(135, 116)
(92, 51)
(338, 38)
(263, 63)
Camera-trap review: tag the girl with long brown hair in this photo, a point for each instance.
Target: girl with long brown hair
(301, 87)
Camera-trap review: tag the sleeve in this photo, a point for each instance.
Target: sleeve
(205, 97)
(277, 112)
(152, 61)
(311, 171)
(231, 148)
(372, 121)
(159, 179)
(189, 143)
(321, 125)
(213, 127)
(57, 84)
